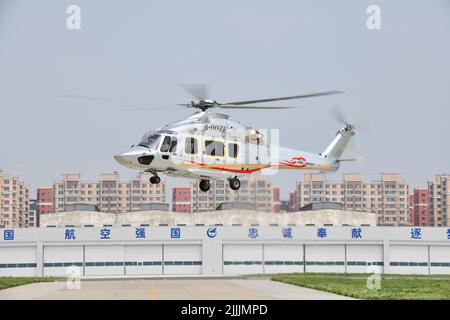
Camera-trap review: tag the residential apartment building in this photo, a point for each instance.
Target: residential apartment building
(181, 199)
(44, 197)
(439, 200)
(14, 202)
(255, 191)
(419, 207)
(109, 194)
(388, 197)
(33, 217)
(276, 202)
(293, 201)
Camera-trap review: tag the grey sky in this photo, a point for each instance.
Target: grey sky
(138, 51)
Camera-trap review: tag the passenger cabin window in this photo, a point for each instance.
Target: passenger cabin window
(190, 146)
(233, 150)
(214, 148)
(165, 146)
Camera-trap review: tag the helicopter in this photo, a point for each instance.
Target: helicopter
(208, 145)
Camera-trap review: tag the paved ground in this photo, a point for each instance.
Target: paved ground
(164, 289)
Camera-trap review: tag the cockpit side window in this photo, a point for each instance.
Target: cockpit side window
(173, 145)
(165, 146)
(150, 141)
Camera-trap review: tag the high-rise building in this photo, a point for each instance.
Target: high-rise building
(418, 206)
(109, 194)
(439, 200)
(33, 216)
(388, 197)
(292, 201)
(181, 199)
(255, 191)
(44, 197)
(14, 202)
(276, 199)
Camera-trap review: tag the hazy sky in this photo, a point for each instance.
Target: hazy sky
(138, 51)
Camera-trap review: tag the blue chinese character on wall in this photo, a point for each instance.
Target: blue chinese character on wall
(140, 233)
(448, 234)
(175, 233)
(356, 233)
(416, 233)
(105, 234)
(8, 235)
(253, 233)
(322, 233)
(70, 234)
(287, 233)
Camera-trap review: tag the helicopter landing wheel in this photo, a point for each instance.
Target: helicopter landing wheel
(155, 180)
(204, 185)
(235, 184)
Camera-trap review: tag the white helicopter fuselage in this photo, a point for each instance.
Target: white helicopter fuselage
(209, 146)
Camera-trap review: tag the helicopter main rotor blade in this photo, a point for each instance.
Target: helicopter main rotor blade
(240, 106)
(309, 95)
(80, 97)
(199, 91)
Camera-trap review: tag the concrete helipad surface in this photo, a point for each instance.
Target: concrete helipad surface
(165, 289)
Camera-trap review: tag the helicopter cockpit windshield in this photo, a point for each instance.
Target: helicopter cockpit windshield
(150, 140)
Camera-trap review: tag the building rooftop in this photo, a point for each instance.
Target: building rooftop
(322, 206)
(222, 217)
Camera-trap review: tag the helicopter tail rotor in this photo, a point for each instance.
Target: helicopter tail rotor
(336, 111)
(349, 128)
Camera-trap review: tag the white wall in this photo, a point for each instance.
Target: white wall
(283, 258)
(242, 259)
(143, 259)
(325, 258)
(17, 261)
(36, 252)
(408, 259)
(104, 260)
(361, 256)
(58, 258)
(440, 259)
(182, 259)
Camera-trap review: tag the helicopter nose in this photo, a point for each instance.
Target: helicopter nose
(134, 157)
(122, 159)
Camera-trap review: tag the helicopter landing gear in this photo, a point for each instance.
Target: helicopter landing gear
(235, 183)
(204, 185)
(155, 179)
